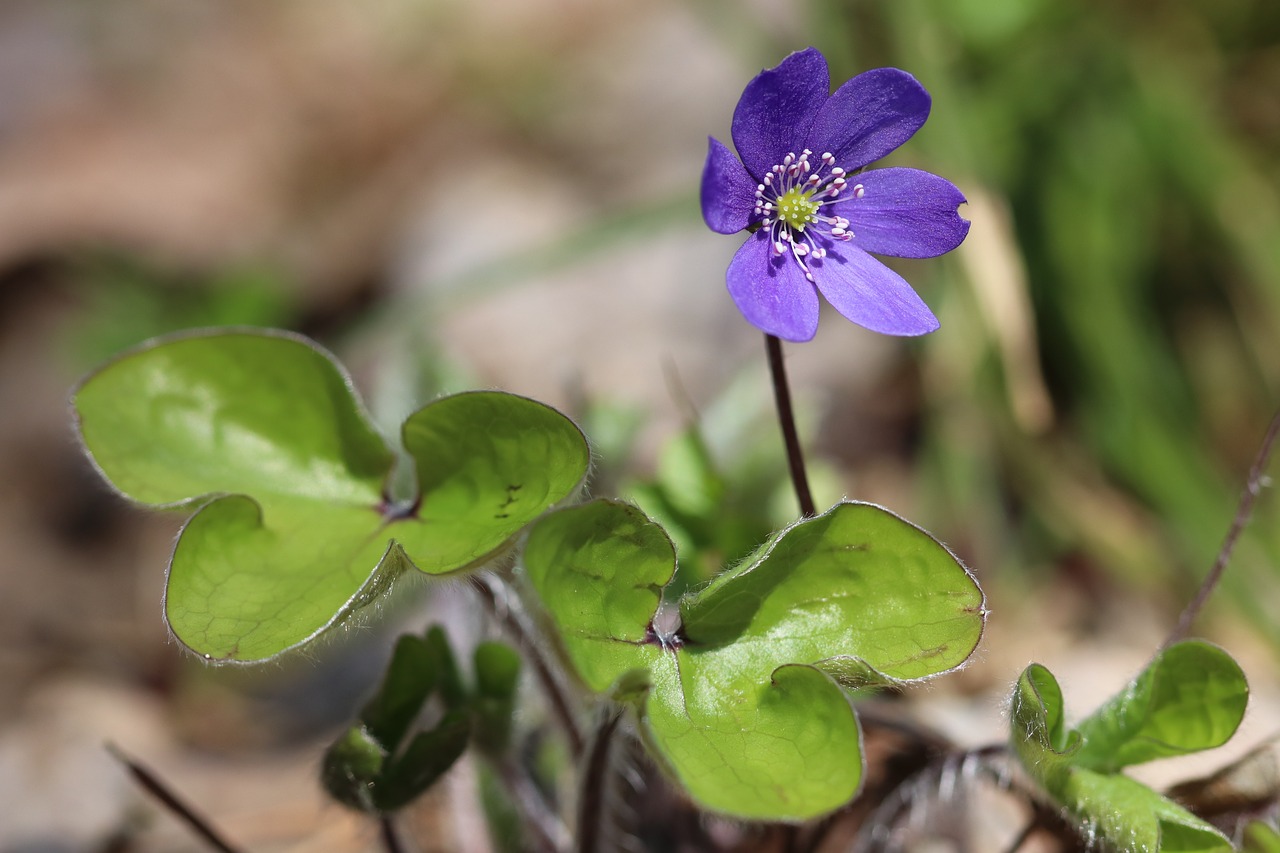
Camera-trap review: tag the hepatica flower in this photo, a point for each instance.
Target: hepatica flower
(814, 217)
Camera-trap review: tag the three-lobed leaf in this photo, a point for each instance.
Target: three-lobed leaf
(295, 531)
(744, 701)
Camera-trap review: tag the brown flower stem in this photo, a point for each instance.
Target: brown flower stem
(547, 833)
(787, 420)
(1252, 486)
(552, 686)
(591, 799)
(387, 832)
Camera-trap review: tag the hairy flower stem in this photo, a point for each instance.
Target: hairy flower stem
(1253, 485)
(591, 795)
(546, 831)
(557, 695)
(787, 419)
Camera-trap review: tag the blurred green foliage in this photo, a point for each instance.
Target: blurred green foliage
(128, 300)
(1121, 161)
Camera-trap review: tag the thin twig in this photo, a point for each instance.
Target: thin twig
(595, 784)
(157, 788)
(1253, 485)
(387, 831)
(555, 691)
(787, 419)
(545, 827)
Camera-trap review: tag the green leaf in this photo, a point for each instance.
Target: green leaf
(448, 677)
(783, 744)
(1129, 816)
(1118, 811)
(1043, 742)
(264, 413)
(687, 475)
(487, 465)
(497, 680)
(295, 532)
(428, 757)
(858, 590)
(743, 703)
(600, 569)
(1191, 697)
(411, 677)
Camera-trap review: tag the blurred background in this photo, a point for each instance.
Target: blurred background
(503, 193)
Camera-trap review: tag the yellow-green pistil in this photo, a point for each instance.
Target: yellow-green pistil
(797, 209)
(789, 200)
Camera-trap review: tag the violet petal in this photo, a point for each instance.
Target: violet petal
(870, 294)
(906, 213)
(772, 292)
(776, 109)
(868, 117)
(728, 192)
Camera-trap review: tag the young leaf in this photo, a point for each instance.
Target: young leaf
(743, 703)
(497, 668)
(1191, 697)
(1127, 815)
(295, 532)
(1041, 740)
(1118, 811)
(428, 757)
(449, 681)
(411, 677)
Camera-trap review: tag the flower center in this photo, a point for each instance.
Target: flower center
(790, 202)
(796, 208)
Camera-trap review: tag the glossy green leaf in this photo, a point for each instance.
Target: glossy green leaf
(487, 465)
(600, 569)
(857, 590)
(1191, 697)
(260, 413)
(1129, 816)
(743, 701)
(1111, 809)
(295, 532)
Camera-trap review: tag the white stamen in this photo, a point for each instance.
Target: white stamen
(798, 224)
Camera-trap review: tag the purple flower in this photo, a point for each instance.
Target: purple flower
(813, 215)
